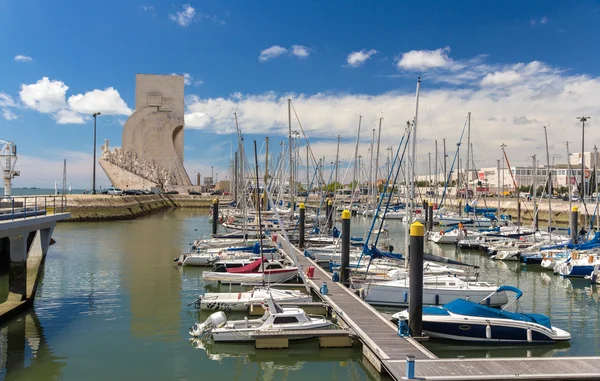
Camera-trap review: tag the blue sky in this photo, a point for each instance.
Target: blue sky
(515, 65)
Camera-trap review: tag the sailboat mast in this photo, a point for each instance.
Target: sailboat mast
(595, 180)
(549, 186)
(377, 156)
(356, 155)
(498, 186)
(535, 211)
(371, 171)
(413, 156)
(436, 172)
(570, 174)
(406, 200)
(445, 168)
(292, 201)
(468, 157)
(337, 162)
(262, 255)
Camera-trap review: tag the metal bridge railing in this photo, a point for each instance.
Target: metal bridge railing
(32, 206)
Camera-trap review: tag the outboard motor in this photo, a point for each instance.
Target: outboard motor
(216, 320)
(220, 268)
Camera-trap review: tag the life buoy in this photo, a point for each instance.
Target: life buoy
(230, 220)
(442, 232)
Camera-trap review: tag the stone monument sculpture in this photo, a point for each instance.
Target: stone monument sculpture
(152, 146)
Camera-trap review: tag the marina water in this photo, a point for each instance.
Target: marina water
(113, 305)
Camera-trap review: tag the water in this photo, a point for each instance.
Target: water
(113, 306)
(572, 304)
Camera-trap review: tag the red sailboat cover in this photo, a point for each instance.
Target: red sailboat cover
(249, 268)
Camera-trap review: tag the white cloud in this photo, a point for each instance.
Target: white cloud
(189, 80)
(300, 51)
(107, 101)
(44, 96)
(185, 17)
(500, 78)
(542, 95)
(271, 52)
(22, 58)
(6, 100)
(356, 59)
(425, 59)
(8, 115)
(147, 8)
(543, 20)
(66, 116)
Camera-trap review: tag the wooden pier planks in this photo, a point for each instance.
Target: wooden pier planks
(540, 368)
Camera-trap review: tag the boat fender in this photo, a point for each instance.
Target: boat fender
(487, 301)
(529, 335)
(488, 331)
(405, 296)
(324, 289)
(441, 232)
(246, 321)
(335, 277)
(437, 300)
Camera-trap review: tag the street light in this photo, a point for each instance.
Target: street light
(583, 119)
(94, 167)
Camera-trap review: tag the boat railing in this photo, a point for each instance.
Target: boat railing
(22, 207)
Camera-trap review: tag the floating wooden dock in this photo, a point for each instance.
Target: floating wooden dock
(388, 352)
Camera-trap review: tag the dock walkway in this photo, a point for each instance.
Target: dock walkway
(387, 351)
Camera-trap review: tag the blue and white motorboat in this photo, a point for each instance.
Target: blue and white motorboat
(465, 320)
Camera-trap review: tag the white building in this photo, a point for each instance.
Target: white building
(588, 157)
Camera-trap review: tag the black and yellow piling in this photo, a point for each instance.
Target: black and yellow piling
(415, 299)
(215, 215)
(345, 246)
(573, 223)
(301, 225)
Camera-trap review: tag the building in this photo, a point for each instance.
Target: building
(588, 159)
(152, 145)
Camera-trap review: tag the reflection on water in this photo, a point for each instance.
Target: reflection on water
(113, 305)
(572, 304)
(292, 359)
(25, 353)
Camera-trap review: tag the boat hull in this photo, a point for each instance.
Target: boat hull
(467, 329)
(250, 334)
(378, 294)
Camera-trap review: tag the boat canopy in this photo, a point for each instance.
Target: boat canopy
(518, 292)
(468, 308)
(249, 268)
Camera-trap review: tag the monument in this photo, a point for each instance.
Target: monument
(152, 145)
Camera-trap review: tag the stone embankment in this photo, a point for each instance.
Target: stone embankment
(106, 207)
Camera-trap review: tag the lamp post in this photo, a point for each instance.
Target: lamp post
(583, 119)
(94, 167)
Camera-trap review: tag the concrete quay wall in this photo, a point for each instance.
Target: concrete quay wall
(107, 207)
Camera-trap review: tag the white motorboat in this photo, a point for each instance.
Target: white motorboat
(437, 290)
(275, 319)
(465, 320)
(240, 301)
